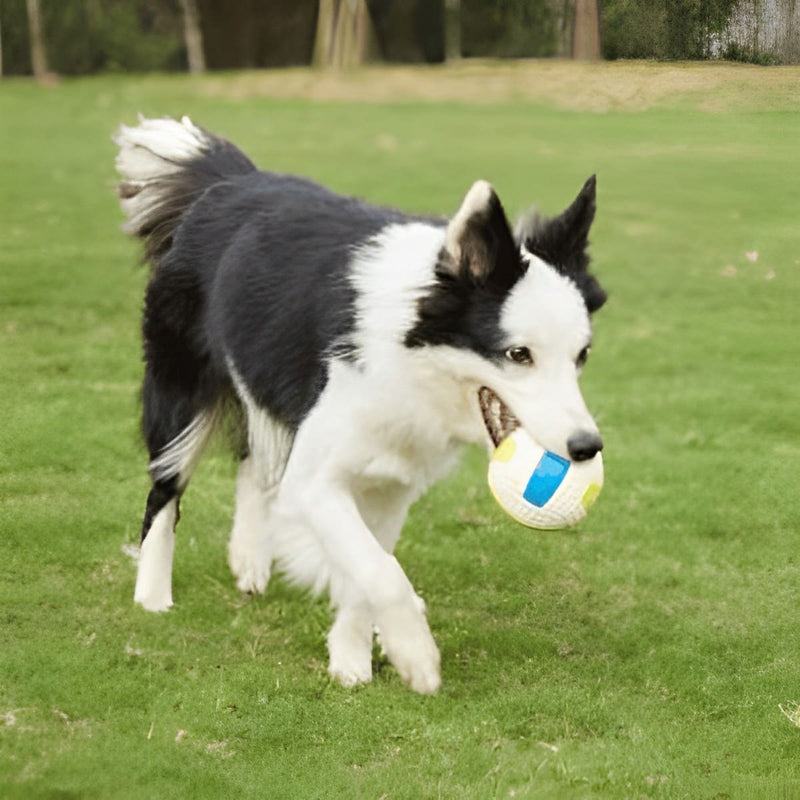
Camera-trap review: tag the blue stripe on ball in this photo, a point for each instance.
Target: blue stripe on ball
(546, 478)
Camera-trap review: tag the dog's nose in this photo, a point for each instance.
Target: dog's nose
(584, 445)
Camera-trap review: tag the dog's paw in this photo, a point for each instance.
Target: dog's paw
(350, 650)
(252, 572)
(154, 601)
(350, 671)
(407, 642)
(153, 589)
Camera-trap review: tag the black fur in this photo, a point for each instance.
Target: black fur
(459, 313)
(253, 263)
(271, 254)
(488, 255)
(161, 493)
(248, 266)
(463, 308)
(563, 241)
(178, 190)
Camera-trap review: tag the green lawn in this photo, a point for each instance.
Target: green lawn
(643, 654)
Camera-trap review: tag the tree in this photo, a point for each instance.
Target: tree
(38, 57)
(586, 33)
(345, 37)
(452, 30)
(193, 35)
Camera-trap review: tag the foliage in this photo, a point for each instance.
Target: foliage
(509, 28)
(83, 36)
(667, 29)
(16, 45)
(735, 52)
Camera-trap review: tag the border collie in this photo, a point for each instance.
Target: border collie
(362, 348)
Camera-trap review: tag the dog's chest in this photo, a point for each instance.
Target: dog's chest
(412, 462)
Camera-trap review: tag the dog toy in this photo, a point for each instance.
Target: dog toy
(541, 489)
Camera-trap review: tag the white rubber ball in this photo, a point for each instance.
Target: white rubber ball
(539, 488)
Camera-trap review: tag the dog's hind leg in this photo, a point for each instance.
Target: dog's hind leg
(251, 551)
(176, 433)
(154, 575)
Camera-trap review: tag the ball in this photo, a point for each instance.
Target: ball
(541, 489)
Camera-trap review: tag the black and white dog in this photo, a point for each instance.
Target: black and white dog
(363, 347)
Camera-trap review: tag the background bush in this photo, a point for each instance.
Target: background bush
(84, 36)
(664, 29)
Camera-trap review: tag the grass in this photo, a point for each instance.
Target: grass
(644, 654)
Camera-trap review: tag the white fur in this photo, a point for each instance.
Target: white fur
(180, 456)
(475, 201)
(155, 148)
(270, 442)
(390, 274)
(154, 576)
(387, 427)
(251, 551)
(357, 461)
(178, 459)
(350, 646)
(546, 313)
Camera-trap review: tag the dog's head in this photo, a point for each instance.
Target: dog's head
(509, 314)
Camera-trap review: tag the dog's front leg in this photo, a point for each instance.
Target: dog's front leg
(368, 587)
(350, 645)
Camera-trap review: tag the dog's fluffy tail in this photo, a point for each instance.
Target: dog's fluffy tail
(165, 166)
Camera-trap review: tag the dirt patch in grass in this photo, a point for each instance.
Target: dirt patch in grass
(569, 85)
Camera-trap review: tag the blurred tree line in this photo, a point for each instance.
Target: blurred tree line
(84, 36)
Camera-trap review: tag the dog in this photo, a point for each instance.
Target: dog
(362, 348)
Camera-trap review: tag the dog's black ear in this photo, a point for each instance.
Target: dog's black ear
(479, 245)
(563, 241)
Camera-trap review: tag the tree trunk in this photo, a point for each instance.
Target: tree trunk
(326, 28)
(586, 33)
(193, 36)
(345, 37)
(38, 57)
(452, 30)
(792, 48)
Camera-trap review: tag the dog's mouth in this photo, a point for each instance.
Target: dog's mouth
(497, 416)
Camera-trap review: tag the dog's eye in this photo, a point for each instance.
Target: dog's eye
(582, 356)
(519, 355)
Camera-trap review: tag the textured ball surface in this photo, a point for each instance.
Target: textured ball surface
(539, 488)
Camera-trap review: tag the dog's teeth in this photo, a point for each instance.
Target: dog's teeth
(497, 417)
